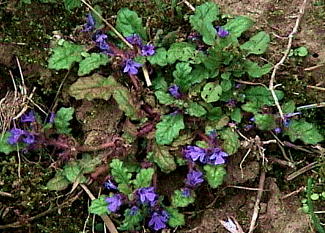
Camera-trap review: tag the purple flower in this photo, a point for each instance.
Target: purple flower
(248, 127)
(195, 153)
(134, 210)
(29, 117)
(158, 220)
(252, 119)
(174, 91)
(114, 202)
(194, 178)
(217, 156)
(100, 39)
(131, 67)
(52, 117)
(28, 138)
(110, 185)
(90, 24)
(148, 50)
(186, 192)
(15, 136)
(147, 196)
(277, 130)
(222, 32)
(134, 40)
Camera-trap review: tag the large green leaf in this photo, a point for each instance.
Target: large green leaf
(256, 71)
(168, 128)
(58, 182)
(62, 118)
(307, 132)
(265, 121)
(262, 96)
(195, 109)
(202, 20)
(230, 139)
(5, 147)
(143, 178)
(73, 172)
(257, 44)
(93, 87)
(92, 62)
(64, 56)
(211, 92)
(164, 98)
(182, 75)
(126, 103)
(98, 206)
(128, 22)
(238, 25)
(181, 51)
(159, 58)
(214, 175)
(161, 156)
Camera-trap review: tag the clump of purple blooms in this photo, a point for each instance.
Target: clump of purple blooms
(148, 196)
(213, 155)
(174, 91)
(131, 67)
(114, 202)
(158, 220)
(194, 179)
(90, 23)
(221, 32)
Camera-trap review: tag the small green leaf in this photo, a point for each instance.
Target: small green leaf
(64, 56)
(99, 206)
(159, 58)
(93, 87)
(128, 22)
(88, 163)
(164, 98)
(301, 51)
(195, 109)
(98, 21)
(119, 172)
(230, 139)
(265, 121)
(238, 25)
(132, 221)
(256, 71)
(262, 96)
(211, 92)
(159, 83)
(181, 51)
(289, 107)
(202, 20)
(71, 4)
(125, 102)
(168, 128)
(179, 200)
(143, 178)
(162, 158)
(236, 115)
(314, 196)
(307, 132)
(176, 219)
(62, 118)
(214, 175)
(73, 172)
(92, 62)
(257, 44)
(58, 182)
(184, 139)
(5, 147)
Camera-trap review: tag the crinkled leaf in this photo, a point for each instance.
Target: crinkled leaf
(159, 58)
(159, 83)
(195, 109)
(265, 121)
(71, 4)
(93, 87)
(5, 147)
(214, 59)
(262, 96)
(184, 139)
(62, 118)
(289, 107)
(168, 128)
(163, 158)
(74, 173)
(58, 182)
(211, 92)
(119, 172)
(238, 25)
(256, 71)
(128, 22)
(64, 56)
(88, 163)
(226, 85)
(230, 139)
(214, 175)
(178, 200)
(217, 124)
(305, 131)
(202, 20)
(164, 98)
(181, 51)
(143, 178)
(124, 188)
(131, 221)
(92, 62)
(198, 74)
(176, 219)
(236, 115)
(257, 44)
(125, 102)
(98, 206)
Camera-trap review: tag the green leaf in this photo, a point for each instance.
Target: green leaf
(236, 115)
(119, 172)
(230, 139)
(256, 71)
(307, 132)
(128, 22)
(226, 85)
(143, 178)
(98, 21)
(62, 118)
(265, 121)
(211, 92)
(71, 4)
(98, 206)
(159, 58)
(5, 147)
(179, 200)
(301, 51)
(214, 175)
(124, 99)
(289, 107)
(58, 182)
(162, 158)
(168, 128)
(73, 172)
(238, 25)
(181, 51)
(93, 87)
(262, 95)
(202, 20)
(257, 44)
(159, 83)
(164, 98)
(64, 56)
(176, 219)
(195, 109)
(88, 163)
(131, 221)
(182, 140)
(92, 62)
(251, 106)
